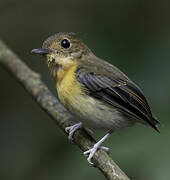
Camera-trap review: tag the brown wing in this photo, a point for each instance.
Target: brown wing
(122, 94)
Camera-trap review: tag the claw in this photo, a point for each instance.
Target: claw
(91, 153)
(104, 148)
(97, 146)
(67, 129)
(93, 150)
(72, 129)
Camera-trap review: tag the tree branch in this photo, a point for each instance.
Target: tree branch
(37, 89)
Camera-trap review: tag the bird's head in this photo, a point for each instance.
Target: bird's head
(62, 49)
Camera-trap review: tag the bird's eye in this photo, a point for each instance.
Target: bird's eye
(65, 43)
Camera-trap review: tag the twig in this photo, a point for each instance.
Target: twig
(37, 89)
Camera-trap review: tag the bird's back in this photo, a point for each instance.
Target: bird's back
(111, 86)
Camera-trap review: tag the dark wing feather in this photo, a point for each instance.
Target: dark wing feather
(122, 94)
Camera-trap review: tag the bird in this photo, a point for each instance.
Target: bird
(95, 92)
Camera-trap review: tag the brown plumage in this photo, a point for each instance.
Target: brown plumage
(115, 89)
(96, 92)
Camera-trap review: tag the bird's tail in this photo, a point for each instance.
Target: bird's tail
(155, 123)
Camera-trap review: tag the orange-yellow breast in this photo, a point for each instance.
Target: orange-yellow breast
(67, 86)
(91, 112)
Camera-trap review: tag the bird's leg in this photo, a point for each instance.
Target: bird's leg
(92, 151)
(72, 129)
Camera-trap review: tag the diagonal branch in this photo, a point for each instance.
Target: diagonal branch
(38, 90)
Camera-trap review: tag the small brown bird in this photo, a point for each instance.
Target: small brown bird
(97, 93)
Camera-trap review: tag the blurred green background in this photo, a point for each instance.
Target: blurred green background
(133, 35)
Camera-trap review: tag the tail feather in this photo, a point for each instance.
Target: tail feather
(154, 123)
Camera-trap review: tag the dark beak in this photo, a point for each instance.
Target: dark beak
(42, 51)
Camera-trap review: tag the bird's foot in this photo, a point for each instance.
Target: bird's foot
(72, 129)
(97, 146)
(92, 151)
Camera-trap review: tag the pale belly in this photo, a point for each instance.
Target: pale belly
(94, 114)
(91, 112)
